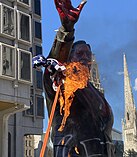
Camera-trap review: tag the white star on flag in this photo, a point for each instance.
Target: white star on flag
(41, 59)
(36, 62)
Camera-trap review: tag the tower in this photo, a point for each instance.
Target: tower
(129, 124)
(94, 74)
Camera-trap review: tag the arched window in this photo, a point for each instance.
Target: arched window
(94, 74)
(127, 116)
(9, 145)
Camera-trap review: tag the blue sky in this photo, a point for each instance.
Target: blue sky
(110, 27)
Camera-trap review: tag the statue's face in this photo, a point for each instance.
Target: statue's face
(82, 54)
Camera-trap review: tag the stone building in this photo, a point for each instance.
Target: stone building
(129, 123)
(94, 74)
(21, 100)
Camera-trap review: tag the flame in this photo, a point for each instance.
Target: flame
(76, 150)
(69, 155)
(62, 142)
(77, 76)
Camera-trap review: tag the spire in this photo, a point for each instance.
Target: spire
(129, 101)
(129, 124)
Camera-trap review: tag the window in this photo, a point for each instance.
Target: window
(26, 2)
(29, 152)
(38, 50)
(31, 91)
(37, 7)
(25, 66)
(9, 145)
(26, 152)
(27, 143)
(127, 116)
(129, 137)
(39, 79)
(38, 30)
(8, 21)
(40, 106)
(30, 110)
(30, 143)
(24, 25)
(8, 61)
(94, 74)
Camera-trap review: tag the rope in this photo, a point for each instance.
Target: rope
(49, 123)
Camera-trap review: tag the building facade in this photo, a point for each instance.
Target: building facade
(29, 145)
(129, 123)
(21, 100)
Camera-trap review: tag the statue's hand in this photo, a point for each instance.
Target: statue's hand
(68, 14)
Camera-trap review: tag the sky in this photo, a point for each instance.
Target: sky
(110, 27)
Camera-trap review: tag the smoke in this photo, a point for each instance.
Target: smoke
(120, 72)
(135, 87)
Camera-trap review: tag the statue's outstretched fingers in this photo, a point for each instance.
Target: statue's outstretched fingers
(83, 2)
(60, 8)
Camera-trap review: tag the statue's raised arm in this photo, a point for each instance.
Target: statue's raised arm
(68, 14)
(65, 35)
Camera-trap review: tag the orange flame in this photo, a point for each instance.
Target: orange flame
(62, 142)
(69, 155)
(76, 150)
(77, 76)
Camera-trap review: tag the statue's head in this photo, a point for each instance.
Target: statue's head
(81, 52)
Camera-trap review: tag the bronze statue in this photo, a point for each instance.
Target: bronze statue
(84, 128)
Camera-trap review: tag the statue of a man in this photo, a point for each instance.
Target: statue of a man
(86, 129)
